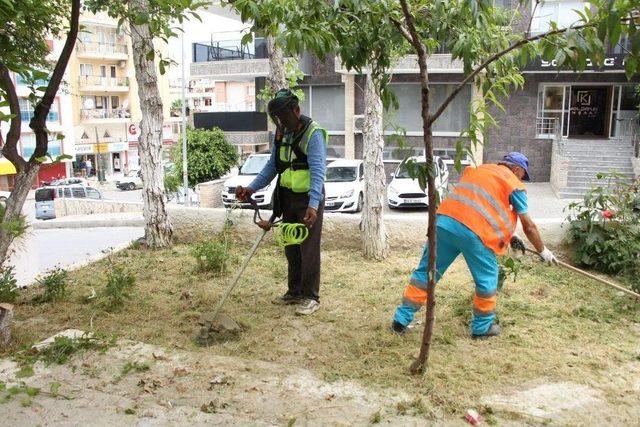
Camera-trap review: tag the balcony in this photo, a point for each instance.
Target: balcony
(408, 64)
(104, 115)
(103, 84)
(230, 59)
(97, 50)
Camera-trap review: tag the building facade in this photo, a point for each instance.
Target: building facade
(557, 117)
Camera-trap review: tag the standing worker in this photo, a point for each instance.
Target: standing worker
(478, 220)
(298, 157)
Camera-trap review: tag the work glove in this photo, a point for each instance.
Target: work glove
(243, 193)
(517, 244)
(548, 257)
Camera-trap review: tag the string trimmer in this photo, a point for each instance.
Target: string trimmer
(218, 325)
(592, 276)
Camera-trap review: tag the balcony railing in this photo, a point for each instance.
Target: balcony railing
(104, 113)
(229, 50)
(102, 48)
(103, 81)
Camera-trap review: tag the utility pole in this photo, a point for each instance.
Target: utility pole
(185, 176)
(97, 165)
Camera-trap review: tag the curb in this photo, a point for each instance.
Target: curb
(88, 223)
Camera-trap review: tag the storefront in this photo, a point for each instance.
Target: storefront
(109, 157)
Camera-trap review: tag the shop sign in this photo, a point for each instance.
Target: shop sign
(103, 147)
(612, 62)
(133, 132)
(116, 147)
(85, 148)
(167, 132)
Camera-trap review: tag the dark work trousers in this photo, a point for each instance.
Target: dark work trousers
(303, 259)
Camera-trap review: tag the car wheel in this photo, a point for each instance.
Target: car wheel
(360, 203)
(131, 186)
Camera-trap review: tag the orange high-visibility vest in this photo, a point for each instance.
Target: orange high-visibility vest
(481, 202)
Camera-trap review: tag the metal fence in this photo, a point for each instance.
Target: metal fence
(548, 126)
(105, 113)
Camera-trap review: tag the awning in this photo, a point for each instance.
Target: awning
(6, 168)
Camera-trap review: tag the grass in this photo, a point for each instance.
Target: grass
(555, 324)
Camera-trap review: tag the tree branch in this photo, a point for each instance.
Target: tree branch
(10, 149)
(497, 56)
(41, 110)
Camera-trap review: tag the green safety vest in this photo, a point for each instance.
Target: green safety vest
(292, 159)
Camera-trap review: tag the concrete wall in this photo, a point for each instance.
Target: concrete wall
(559, 167)
(66, 207)
(339, 230)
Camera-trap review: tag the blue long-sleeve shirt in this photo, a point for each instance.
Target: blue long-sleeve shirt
(316, 157)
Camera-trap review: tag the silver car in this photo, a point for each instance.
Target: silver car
(45, 197)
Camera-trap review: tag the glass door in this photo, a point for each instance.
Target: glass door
(553, 110)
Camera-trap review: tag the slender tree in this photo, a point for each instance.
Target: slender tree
(24, 50)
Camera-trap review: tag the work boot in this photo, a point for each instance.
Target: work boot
(398, 328)
(307, 307)
(287, 299)
(493, 331)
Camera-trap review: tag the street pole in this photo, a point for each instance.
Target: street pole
(185, 176)
(97, 155)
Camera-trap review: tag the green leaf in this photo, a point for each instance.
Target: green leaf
(151, 55)
(630, 66)
(42, 159)
(161, 66)
(247, 38)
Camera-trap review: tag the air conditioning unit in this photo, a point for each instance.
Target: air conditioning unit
(358, 123)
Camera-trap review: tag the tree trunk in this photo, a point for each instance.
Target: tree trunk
(15, 202)
(374, 233)
(277, 78)
(427, 121)
(158, 229)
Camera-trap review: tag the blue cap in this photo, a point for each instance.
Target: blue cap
(518, 159)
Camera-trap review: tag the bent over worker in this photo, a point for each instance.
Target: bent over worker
(477, 220)
(298, 157)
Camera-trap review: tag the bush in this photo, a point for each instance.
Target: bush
(211, 256)
(604, 229)
(209, 157)
(120, 284)
(8, 285)
(55, 286)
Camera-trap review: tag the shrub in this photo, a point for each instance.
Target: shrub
(120, 284)
(8, 285)
(604, 228)
(55, 286)
(211, 256)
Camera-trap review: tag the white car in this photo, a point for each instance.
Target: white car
(344, 186)
(248, 171)
(132, 180)
(405, 192)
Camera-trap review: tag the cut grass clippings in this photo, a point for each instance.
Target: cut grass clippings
(555, 324)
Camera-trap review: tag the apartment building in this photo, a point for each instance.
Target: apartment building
(105, 105)
(554, 120)
(59, 123)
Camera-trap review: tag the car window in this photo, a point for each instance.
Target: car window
(78, 192)
(253, 165)
(67, 191)
(45, 194)
(341, 174)
(361, 170)
(92, 193)
(443, 167)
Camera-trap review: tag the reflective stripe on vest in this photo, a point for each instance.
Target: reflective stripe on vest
(299, 181)
(492, 201)
(481, 210)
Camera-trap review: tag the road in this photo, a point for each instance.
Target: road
(42, 250)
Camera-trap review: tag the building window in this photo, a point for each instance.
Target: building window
(553, 110)
(325, 104)
(28, 144)
(454, 119)
(562, 12)
(26, 111)
(20, 81)
(207, 102)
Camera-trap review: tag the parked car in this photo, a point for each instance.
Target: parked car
(248, 171)
(45, 196)
(405, 192)
(344, 186)
(132, 180)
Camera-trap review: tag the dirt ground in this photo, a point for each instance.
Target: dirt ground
(569, 353)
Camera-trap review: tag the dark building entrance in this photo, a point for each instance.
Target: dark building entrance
(589, 113)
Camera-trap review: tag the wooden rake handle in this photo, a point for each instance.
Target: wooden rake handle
(593, 276)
